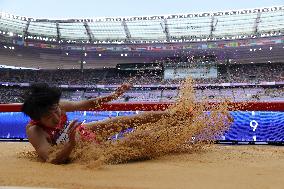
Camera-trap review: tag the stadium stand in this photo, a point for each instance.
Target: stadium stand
(231, 54)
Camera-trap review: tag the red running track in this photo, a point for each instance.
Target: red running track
(155, 106)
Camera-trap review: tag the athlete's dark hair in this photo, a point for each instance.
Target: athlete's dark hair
(39, 99)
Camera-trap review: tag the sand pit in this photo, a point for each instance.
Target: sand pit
(217, 167)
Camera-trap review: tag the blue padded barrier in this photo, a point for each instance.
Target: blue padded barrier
(247, 126)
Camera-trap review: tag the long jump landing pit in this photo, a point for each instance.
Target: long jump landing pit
(221, 166)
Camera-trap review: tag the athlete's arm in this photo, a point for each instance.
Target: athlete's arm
(70, 106)
(37, 138)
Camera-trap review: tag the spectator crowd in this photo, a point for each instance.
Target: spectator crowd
(249, 73)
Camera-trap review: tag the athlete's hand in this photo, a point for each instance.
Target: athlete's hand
(72, 131)
(122, 89)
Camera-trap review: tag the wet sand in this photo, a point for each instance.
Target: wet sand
(219, 167)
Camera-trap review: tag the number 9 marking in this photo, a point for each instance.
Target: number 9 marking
(253, 124)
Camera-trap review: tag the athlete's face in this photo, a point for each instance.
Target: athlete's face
(52, 118)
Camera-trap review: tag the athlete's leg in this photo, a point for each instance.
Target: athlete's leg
(120, 123)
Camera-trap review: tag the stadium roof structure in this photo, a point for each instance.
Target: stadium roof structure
(213, 26)
(235, 37)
